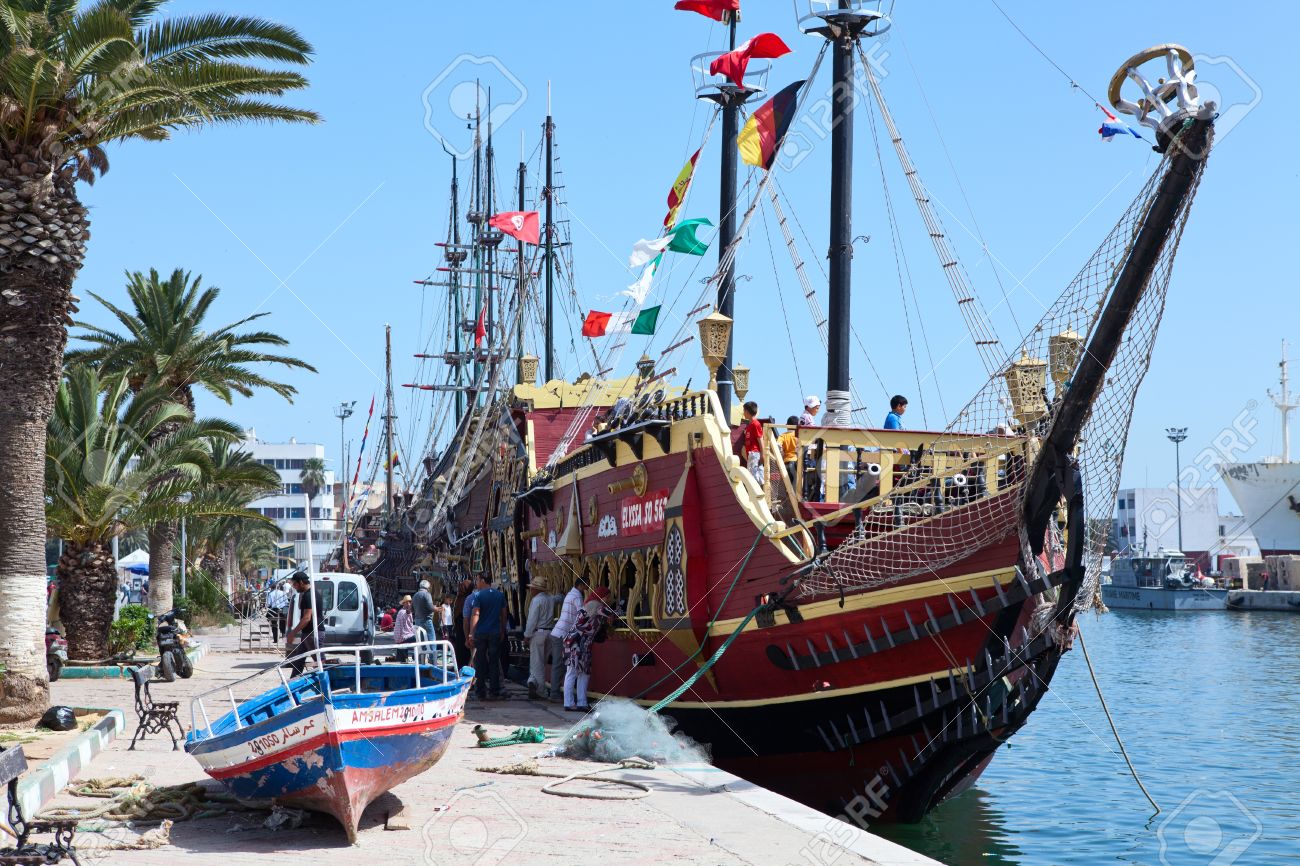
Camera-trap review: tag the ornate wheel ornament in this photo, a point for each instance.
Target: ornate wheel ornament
(1175, 95)
(674, 577)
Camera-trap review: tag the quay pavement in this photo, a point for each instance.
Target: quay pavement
(456, 814)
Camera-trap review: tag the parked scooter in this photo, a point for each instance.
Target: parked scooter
(171, 655)
(56, 653)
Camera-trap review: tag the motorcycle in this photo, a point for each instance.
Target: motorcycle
(56, 653)
(172, 659)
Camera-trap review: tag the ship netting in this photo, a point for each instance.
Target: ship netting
(967, 493)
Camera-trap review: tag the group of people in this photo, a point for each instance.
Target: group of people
(749, 439)
(563, 631)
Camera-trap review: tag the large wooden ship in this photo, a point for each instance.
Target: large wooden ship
(895, 611)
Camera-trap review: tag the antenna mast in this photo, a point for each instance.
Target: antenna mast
(1285, 406)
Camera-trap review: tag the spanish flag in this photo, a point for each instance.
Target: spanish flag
(677, 194)
(761, 137)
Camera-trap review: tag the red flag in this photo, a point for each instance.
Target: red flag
(715, 9)
(520, 225)
(733, 63)
(480, 329)
(594, 324)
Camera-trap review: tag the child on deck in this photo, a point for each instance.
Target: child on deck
(753, 439)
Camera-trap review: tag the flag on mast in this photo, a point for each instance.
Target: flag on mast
(520, 225)
(680, 239)
(364, 434)
(715, 9)
(733, 63)
(677, 194)
(1113, 126)
(480, 327)
(761, 137)
(600, 324)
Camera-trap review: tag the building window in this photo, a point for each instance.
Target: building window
(292, 487)
(295, 463)
(295, 513)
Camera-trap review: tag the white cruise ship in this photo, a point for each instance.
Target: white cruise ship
(1269, 491)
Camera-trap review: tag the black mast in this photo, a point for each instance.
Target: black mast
(455, 257)
(549, 353)
(488, 237)
(841, 240)
(519, 289)
(730, 98)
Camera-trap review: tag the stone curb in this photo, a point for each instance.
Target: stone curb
(39, 786)
(123, 671)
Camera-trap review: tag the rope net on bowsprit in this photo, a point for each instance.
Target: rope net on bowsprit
(965, 491)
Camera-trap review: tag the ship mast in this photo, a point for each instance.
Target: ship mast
(730, 98)
(548, 354)
(1285, 406)
(842, 27)
(388, 418)
(519, 289)
(455, 257)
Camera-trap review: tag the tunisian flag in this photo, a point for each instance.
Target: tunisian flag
(733, 63)
(715, 9)
(520, 225)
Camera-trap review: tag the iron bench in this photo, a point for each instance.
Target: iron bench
(28, 853)
(155, 716)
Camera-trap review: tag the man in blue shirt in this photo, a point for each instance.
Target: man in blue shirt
(487, 634)
(897, 406)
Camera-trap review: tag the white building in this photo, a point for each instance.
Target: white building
(1149, 516)
(288, 507)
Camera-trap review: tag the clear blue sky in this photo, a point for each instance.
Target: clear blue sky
(326, 227)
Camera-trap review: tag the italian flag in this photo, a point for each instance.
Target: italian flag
(599, 324)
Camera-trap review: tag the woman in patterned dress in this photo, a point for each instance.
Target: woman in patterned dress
(588, 630)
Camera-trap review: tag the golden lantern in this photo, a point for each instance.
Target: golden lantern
(528, 369)
(1063, 351)
(1025, 381)
(741, 376)
(715, 336)
(645, 367)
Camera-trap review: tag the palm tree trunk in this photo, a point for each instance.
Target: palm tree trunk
(162, 540)
(43, 227)
(87, 596)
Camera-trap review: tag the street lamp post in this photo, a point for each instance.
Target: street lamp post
(1177, 435)
(343, 412)
(184, 497)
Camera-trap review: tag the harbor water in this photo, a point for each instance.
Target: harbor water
(1206, 704)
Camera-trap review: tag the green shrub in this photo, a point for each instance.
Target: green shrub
(131, 630)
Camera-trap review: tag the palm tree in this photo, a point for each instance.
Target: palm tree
(312, 478)
(236, 479)
(167, 345)
(103, 478)
(73, 81)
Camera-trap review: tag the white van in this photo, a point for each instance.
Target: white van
(346, 609)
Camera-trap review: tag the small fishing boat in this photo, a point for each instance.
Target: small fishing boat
(333, 739)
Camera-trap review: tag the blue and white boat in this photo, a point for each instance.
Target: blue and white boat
(1164, 580)
(332, 739)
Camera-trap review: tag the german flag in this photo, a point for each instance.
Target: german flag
(761, 137)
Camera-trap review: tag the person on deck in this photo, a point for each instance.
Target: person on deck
(422, 611)
(811, 406)
(537, 632)
(897, 406)
(404, 627)
(563, 627)
(301, 637)
(487, 634)
(588, 630)
(753, 441)
(789, 442)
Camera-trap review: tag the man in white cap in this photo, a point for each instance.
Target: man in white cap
(812, 404)
(537, 631)
(422, 612)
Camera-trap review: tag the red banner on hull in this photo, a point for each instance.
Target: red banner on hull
(643, 514)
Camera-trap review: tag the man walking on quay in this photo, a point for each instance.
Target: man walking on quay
(422, 612)
(487, 634)
(537, 631)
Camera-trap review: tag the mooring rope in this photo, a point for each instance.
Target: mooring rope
(1123, 751)
(530, 768)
